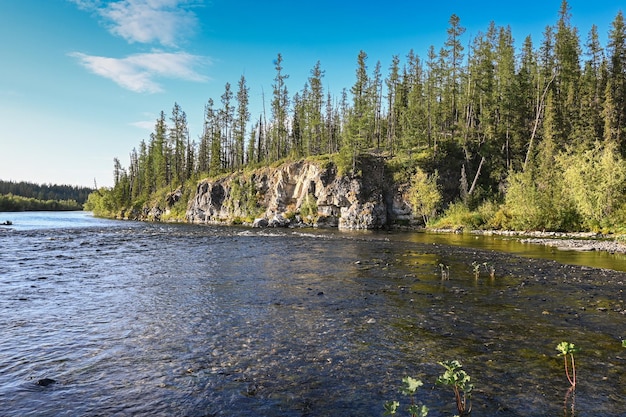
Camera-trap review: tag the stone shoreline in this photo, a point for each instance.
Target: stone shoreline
(584, 241)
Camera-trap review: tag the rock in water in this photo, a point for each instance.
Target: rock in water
(45, 382)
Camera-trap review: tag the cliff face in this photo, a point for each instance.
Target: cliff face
(304, 193)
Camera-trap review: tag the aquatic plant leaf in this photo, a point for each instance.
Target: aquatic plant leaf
(566, 348)
(418, 410)
(391, 407)
(410, 385)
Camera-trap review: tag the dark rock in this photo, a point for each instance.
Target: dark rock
(262, 222)
(174, 197)
(45, 382)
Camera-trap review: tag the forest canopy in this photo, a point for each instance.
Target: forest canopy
(526, 136)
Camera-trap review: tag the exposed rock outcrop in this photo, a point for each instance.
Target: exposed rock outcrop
(305, 193)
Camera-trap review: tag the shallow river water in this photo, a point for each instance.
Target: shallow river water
(133, 319)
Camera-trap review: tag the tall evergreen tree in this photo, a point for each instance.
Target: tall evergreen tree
(566, 83)
(615, 102)
(359, 126)
(590, 126)
(392, 83)
(280, 109)
(226, 116)
(241, 121)
(159, 154)
(313, 107)
(204, 148)
(178, 137)
(455, 67)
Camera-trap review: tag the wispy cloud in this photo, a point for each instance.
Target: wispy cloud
(146, 21)
(140, 72)
(144, 124)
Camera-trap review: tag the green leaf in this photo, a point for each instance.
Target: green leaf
(391, 407)
(410, 385)
(624, 343)
(418, 410)
(566, 348)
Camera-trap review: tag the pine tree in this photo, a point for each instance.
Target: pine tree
(455, 57)
(226, 116)
(313, 107)
(358, 126)
(375, 94)
(615, 102)
(280, 109)
(409, 106)
(566, 83)
(393, 91)
(204, 148)
(159, 154)
(508, 104)
(241, 120)
(178, 138)
(525, 116)
(590, 127)
(300, 133)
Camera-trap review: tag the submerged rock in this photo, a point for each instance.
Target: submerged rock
(45, 382)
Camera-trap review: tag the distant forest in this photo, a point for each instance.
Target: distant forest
(530, 137)
(26, 196)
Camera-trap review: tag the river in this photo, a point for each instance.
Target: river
(134, 319)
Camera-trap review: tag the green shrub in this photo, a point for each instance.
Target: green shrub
(458, 216)
(309, 206)
(424, 194)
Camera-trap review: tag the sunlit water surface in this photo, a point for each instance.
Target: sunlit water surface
(135, 319)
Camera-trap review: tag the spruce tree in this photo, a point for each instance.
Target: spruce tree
(241, 120)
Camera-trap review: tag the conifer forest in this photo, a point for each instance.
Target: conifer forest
(526, 135)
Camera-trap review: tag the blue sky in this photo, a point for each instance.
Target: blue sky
(83, 81)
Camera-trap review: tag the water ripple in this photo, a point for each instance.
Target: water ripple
(151, 319)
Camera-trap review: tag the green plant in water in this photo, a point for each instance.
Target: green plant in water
(445, 271)
(624, 343)
(476, 267)
(489, 268)
(459, 380)
(567, 350)
(409, 387)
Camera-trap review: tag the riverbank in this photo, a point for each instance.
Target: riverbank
(582, 241)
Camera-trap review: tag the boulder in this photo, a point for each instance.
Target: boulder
(262, 222)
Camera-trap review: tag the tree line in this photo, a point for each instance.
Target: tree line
(537, 131)
(27, 196)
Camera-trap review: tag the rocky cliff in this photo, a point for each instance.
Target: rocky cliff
(304, 193)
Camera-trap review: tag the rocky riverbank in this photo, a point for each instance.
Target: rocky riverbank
(583, 241)
(304, 193)
(610, 246)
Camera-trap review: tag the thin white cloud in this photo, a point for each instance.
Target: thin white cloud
(144, 124)
(145, 21)
(139, 72)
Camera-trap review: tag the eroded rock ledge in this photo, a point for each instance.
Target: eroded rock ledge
(303, 193)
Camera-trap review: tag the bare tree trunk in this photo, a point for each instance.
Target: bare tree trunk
(480, 166)
(539, 110)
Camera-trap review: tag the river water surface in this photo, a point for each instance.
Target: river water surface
(134, 319)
